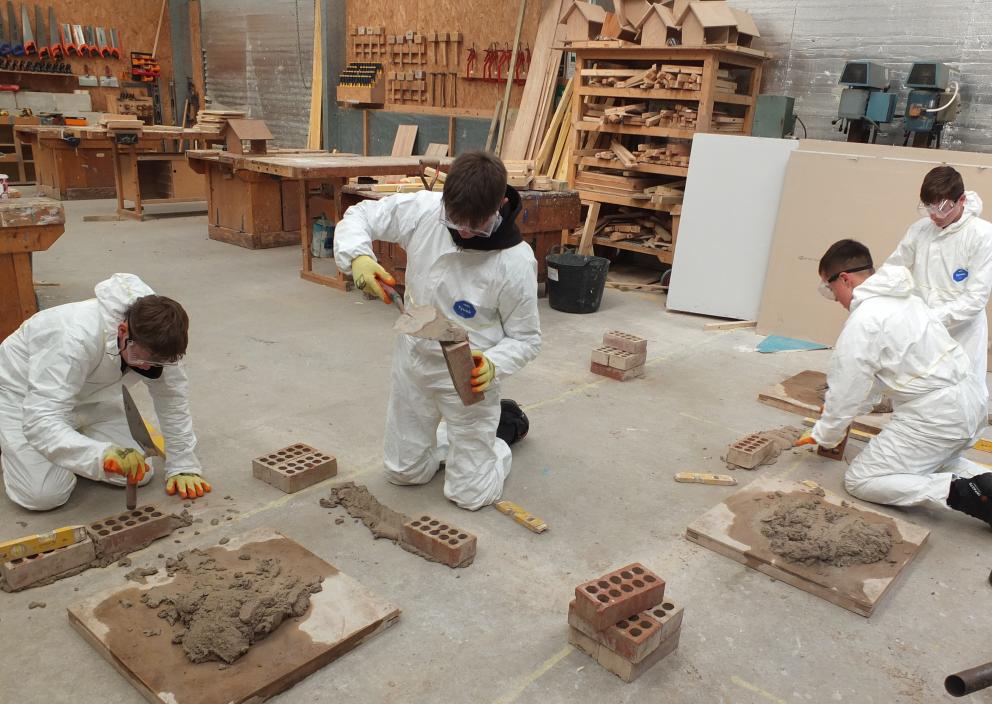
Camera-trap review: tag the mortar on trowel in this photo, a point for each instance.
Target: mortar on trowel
(428, 323)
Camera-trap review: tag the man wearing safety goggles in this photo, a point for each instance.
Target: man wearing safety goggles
(61, 412)
(949, 253)
(893, 343)
(466, 258)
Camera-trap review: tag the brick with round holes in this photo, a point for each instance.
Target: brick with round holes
(626, 342)
(26, 571)
(751, 451)
(131, 530)
(444, 542)
(618, 595)
(294, 468)
(636, 637)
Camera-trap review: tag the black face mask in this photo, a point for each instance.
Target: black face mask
(152, 372)
(506, 235)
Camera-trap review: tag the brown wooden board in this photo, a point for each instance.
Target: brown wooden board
(732, 528)
(801, 394)
(340, 617)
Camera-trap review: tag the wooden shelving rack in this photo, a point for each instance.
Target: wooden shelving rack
(712, 102)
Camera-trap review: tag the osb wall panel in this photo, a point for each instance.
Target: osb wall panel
(481, 24)
(135, 22)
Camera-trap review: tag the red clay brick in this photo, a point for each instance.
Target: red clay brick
(625, 361)
(751, 451)
(636, 637)
(294, 468)
(619, 666)
(131, 530)
(601, 355)
(626, 342)
(443, 541)
(618, 595)
(458, 357)
(616, 374)
(26, 571)
(836, 453)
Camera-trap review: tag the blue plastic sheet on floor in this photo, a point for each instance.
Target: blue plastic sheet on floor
(776, 343)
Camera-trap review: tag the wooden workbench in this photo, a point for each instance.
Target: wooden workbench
(326, 174)
(88, 162)
(544, 215)
(247, 208)
(26, 225)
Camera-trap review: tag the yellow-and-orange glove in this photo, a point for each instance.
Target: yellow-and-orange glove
(483, 373)
(367, 273)
(189, 486)
(805, 439)
(126, 461)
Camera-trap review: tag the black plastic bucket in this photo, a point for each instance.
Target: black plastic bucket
(576, 282)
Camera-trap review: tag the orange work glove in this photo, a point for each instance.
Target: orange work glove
(189, 486)
(126, 461)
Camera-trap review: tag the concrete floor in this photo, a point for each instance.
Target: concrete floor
(274, 359)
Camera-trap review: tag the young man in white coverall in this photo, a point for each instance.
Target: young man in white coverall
(893, 342)
(61, 410)
(465, 257)
(949, 254)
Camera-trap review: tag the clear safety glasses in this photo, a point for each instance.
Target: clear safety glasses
(824, 287)
(486, 231)
(939, 209)
(139, 357)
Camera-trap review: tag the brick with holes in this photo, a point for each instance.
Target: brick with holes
(622, 667)
(626, 342)
(636, 637)
(27, 571)
(601, 355)
(131, 530)
(618, 595)
(294, 467)
(625, 361)
(441, 540)
(751, 451)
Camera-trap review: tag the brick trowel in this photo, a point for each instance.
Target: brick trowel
(139, 431)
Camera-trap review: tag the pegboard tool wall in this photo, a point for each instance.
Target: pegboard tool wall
(481, 22)
(135, 23)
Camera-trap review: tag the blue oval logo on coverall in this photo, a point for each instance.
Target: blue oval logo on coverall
(466, 309)
(960, 275)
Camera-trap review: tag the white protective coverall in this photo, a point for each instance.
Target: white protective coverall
(493, 295)
(60, 399)
(952, 269)
(893, 343)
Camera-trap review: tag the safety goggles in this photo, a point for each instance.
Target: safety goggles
(824, 287)
(486, 231)
(140, 358)
(939, 209)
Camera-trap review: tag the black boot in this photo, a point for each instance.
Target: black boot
(972, 496)
(513, 423)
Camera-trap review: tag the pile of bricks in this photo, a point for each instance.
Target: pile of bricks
(621, 357)
(623, 621)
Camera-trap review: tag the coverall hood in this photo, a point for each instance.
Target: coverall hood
(114, 296)
(890, 280)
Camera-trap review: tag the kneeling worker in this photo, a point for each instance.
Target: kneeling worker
(61, 411)
(893, 343)
(466, 258)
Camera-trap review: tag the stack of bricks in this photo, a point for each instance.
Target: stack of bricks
(623, 621)
(621, 356)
